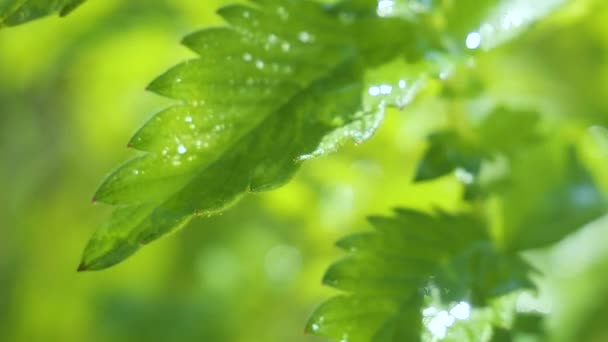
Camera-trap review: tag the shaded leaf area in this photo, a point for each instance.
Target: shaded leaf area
(16, 12)
(388, 272)
(550, 195)
(545, 191)
(502, 132)
(528, 326)
(264, 93)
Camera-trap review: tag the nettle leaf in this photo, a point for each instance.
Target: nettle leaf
(545, 191)
(388, 271)
(15, 12)
(447, 152)
(502, 133)
(550, 195)
(525, 324)
(282, 83)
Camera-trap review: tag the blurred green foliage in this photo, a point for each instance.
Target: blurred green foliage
(71, 94)
(15, 12)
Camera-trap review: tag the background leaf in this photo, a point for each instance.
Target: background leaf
(389, 271)
(15, 12)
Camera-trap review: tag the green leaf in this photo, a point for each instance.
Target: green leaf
(550, 196)
(545, 191)
(389, 270)
(15, 12)
(446, 153)
(502, 133)
(526, 325)
(283, 83)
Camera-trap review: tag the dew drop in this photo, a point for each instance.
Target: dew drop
(374, 90)
(181, 149)
(402, 84)
(247, 57)
(473, 40)
(285, 47)
(188, 119)
(461, 310)
(259, 64)
(385, 8)
(386, 89)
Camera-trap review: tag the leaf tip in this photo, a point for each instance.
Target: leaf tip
(82, 267)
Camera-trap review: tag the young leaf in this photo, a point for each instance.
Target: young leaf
(15, 12)
(548, 198)
(388, 271)
(502, 133)
(282, 83)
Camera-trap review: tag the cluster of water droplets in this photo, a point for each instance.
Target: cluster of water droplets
(438, 321)
(506, 20)
(398, 94)
(272, 43)
(193, 133)
(403, 8)
(317, 326)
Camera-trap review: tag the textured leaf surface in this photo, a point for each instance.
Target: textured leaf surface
(388, 271)
(282, 83)
(15, 12)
